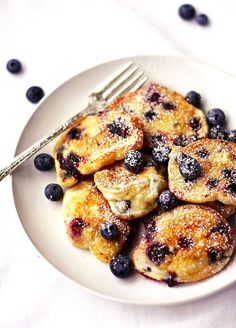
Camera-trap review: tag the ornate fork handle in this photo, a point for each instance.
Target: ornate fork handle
(22, 157)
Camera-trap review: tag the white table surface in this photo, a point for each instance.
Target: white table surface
(55, 39)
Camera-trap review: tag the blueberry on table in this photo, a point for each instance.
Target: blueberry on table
(232, 136)
(14, 66)
(215, 117)
(193, 98)
(218, 132)
(109, 230)
(53, 192)
(121, 266)
(134, 161)
(189, 168)
(167, 200)
(187, 11)
(160, 154)
(34, 94)
(202, 20)
(44, 162)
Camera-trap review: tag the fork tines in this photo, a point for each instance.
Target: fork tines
(128, 80)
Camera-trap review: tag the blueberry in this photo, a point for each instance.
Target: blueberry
(154, 97)
(119, 128)
(109, 230)
(44, 162)
(194, 123)
(202, 19)
(166, 200)
(134, 161)
(232, 136)
(121, 266)
(168, 105)
(53, 192)
(218, 132)
(160, 154)
(74, 133)
(157, 252)
(193, 98)
(14, 66)
(215, 117)
(214, 255)
(185, 242)
(34, 94)
(189, 168)
(186, 11)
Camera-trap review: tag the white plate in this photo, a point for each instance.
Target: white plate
(42, 219)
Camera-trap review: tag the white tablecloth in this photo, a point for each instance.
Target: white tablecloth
(55, 39)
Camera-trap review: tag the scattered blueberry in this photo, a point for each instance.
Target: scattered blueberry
(232, 136)
(215, 117)
(193, 98)
(160, 154)
(202, 19)
(189, 168)
(34, 94)
(109, 230)
(53, 192)
(14, 66)
(187, 11)
(44, 162)
(157, 253)
(218, 132)
(167, 200)
(134, 161)
(121, 266)
(231, 188)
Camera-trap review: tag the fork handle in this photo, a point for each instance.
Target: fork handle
(22, 157)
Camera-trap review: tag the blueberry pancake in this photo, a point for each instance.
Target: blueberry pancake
(187, 244)
(129, 194)
(85, 210)
(204, 171)
(167, 117)
(97, 141)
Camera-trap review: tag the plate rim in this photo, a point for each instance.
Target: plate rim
(45, 258)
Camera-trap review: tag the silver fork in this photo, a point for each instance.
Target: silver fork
(129, 79)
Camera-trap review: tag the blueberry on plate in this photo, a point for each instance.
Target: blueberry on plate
(34, 94)
(202, 20)
(218, 132)
(187, 11)
(109, 230)
(121, 266)
(14, 66)
(215, 117)
(134, 161)
(167, 200)
(160, 154)
(189, 168)
(232, 136)
(193, 98)
(44, 162)
(53, 192)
